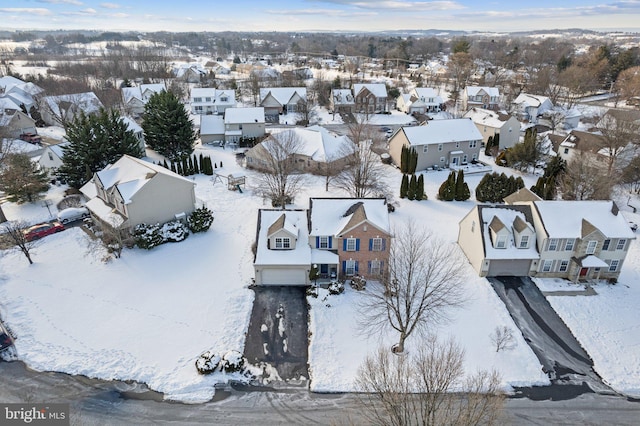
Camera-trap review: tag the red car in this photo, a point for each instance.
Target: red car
(42, 230)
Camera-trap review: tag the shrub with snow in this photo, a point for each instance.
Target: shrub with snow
(336, 287)
(174, 231)
(208, 363)
(312, 291)
(233, 362)
(230, 362)
(200, 220)
(147, 236)
(358, 283)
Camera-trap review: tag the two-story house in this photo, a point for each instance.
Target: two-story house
(590, 145)
(481, 97)
(135, 98)
(580, 239)
(491, 123)
(342, 101)
(132, 191)
(421, 100)
(283, 255)
(350, 236)
(281, 100)
(211, 101)
(438, 143)
(499, 240)
(370, 98)
(243, 123)
(530, 107)
(58, 110)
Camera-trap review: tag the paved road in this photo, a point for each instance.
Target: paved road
(561, 356)
(278, 331)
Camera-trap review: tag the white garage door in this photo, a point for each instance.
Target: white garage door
(283, 277)
(518, 268)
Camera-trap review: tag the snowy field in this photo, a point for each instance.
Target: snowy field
(148, 315)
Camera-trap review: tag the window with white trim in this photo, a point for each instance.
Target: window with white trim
(553, 244)
(425, 148)
(569, 244)
(502, 242)
(442, 159)
(591, 247)
(351, 244)
(457, 144)
(564, 265)
(473, 144)
(376, 244)
(464, 158)
(474, 157)
(197, 99)
(614, 265)
(324, 243)
(621, 243)
(605, 245)
(440, 147)
(375, 267)
(546, 266)
(350, 267)
(283, 242)
(524, 241)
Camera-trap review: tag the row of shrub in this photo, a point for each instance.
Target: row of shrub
(191, 165)
(230, 362)
(148, 236)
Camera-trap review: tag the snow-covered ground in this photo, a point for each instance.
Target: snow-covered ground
(148, 315)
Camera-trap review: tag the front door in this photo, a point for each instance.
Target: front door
(583, 272)
(454, 161)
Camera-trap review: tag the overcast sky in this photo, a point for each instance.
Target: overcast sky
(326, 15)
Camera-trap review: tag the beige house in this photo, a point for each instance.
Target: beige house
(281, 100)
(491, 123)
(421, 100)
(438, 143)
(283, 255)
(132, 191)
(342, 101)
(481, 97)
(312, 150)
(13, 123)
(57, 110)
(243, 123)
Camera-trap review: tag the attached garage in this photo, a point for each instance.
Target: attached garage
(280, 276)
(509, 267)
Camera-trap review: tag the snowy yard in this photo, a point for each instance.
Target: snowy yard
(148, 316)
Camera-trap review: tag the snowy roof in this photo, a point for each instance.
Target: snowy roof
(57, 149)
(8, 104)
(505, 216)
(379, 90)
(131, 124)
(592, 261)
(522, 194)
(342, 96)
(105, 212)
(87, 102)
(531, 100)
(7, 82)
(211, 125)
(129, 174)
(328, 214)
(442, 131)
(487, 118)
(283, 94)
(563, 219)
(129, 93)
(318, 143)
(300, 255)
(244, 115)
(474, 90)
(426, 93)
(203, 92)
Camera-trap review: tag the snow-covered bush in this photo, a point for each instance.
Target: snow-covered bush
(312, 291)
(231, 362)
(174, 231)
(147, 236)
(336, 287)
(200, 220)
(358, 283)
(208, 363)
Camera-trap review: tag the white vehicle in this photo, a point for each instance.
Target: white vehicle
(72, 214)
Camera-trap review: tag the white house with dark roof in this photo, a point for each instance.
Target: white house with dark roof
(283, 255)
(499, 240)
(438, 143)
(481, 97)
(421, 100)
(492, 123)
(132, 191)
(211, 101)
(51, 158)
(281, 100)
(243, 123)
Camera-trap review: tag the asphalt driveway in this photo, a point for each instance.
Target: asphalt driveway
(278, 331)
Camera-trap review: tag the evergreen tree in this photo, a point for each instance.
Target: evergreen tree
(173, 167)
(190, 166)
(496, 142)
(201, 159)
(404, 186)
(488, 146)
(420, 195)
(448, 188)
(185, 167)
(413, 186)
(555, 167)
(167, 128)
(493, 187)
(413, 160)
(462, 192)
(164, 164)
(179, 168)
(200, 220)
(21, 180)
(220, 164)
(404, 159)
(196, 166)
(35, 114)
(95, 141)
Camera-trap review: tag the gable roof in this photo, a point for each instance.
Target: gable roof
(505, 217)
(522, 194)
(442, 131)
(87, 102)
(584, 141)
(283, 94)
(474, 90)
(487, 118)
(379, 90)
(300, 255)
(532, 100)
(244, 115)
(342, 97)
(282, 223)
(335, 216)
(317, 143)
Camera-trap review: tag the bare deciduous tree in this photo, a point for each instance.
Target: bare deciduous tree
(502, 338)
(585, 179)
(14, 231)
(422, 284)
(428, 388)
(618, 133)
(279, 180)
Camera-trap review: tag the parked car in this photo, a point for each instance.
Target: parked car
(72, 214)
(42, 230)
(31, 138)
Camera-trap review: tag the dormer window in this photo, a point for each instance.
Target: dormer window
(524, 241)
(501, 242)
(283, 243)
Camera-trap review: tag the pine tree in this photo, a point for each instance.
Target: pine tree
(179, 168)
(462, 192)
(404, 186)
(164, 164)
(404, 160)
(201, 159)
(94, 142)
(37, 117)
(413, 160)
(190, 166)
(496, 142)
(22, 180)
(167, 128)
(413, 187)
(196, 166)
(185, 167)
(447, 191)
(220, 164)
(173, 167)
(420, 195)
(487, 150)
